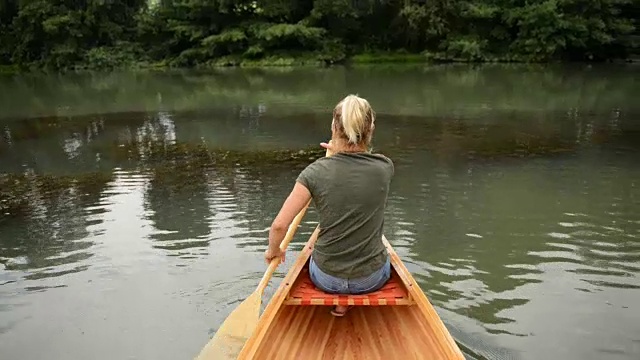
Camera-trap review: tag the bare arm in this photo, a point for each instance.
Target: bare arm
(297, 199)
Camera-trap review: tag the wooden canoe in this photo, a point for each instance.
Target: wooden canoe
(396, 322)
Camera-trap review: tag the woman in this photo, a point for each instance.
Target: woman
(349, 189)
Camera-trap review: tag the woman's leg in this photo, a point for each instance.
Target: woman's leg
(365, 285)
(329, 284)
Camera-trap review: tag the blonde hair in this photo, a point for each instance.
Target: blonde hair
(355, 117)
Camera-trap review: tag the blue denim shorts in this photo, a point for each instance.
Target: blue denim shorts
(363, 285)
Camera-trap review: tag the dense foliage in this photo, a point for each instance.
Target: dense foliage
(106, 33)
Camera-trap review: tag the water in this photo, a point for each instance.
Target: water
(123, 235)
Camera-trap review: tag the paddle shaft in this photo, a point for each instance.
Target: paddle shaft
(283, 246)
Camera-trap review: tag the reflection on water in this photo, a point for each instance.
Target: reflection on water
(455, 91)
(135, 233)
(496, 238)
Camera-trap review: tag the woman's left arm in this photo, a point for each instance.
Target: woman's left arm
(297, 199)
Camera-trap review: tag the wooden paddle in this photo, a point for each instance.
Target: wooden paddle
(240, 324)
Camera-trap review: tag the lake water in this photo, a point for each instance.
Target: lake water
(125, 234)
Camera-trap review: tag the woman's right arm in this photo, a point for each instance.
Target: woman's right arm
(297, 199)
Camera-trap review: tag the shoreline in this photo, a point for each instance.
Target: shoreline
(309, 61)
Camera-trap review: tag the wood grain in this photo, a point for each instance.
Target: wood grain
(381, 332)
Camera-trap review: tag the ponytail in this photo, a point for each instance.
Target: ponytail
(356, 117)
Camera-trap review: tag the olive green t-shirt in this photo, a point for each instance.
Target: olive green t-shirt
(349, 191)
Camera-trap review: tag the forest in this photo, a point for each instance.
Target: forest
(108, 34)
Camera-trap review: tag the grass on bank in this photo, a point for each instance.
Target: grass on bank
(283, 59)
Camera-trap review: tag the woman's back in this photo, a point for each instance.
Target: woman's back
(349, 188)
(350, 192)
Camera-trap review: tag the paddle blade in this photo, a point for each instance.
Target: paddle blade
(234, 332)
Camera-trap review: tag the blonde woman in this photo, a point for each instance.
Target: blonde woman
(349, 190)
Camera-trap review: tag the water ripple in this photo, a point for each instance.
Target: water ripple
(111, 230)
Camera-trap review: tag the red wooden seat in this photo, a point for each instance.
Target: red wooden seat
(304, 292)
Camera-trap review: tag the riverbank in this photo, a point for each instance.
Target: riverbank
(304, 60)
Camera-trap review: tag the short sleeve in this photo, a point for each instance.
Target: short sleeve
(391, 166)
(307, 177)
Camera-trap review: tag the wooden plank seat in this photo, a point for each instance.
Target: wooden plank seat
(304, 293)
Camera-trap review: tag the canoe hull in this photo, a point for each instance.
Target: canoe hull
(406, 331)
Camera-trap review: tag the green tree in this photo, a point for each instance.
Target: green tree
(63, 34)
